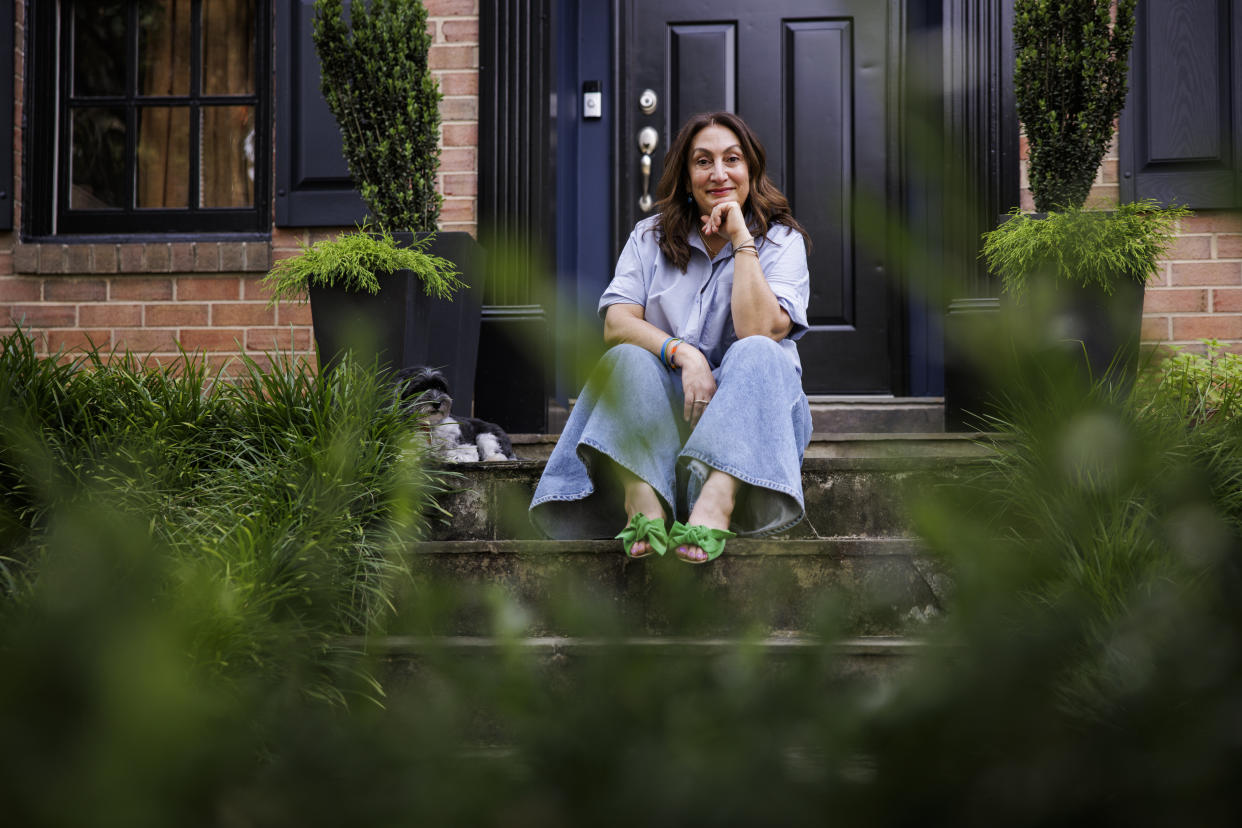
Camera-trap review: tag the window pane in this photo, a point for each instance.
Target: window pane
(228, 156)
(228, 47)
(164, 47)
(97, 170)
(164, 156)
(99, 48)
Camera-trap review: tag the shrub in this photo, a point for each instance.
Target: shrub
(1070, 83)
(380, 89)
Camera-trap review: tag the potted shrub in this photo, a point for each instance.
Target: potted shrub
(394, 289)
(1090, 266)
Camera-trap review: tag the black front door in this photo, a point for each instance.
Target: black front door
(816, 80)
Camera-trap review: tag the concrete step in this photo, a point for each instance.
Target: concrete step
(854, 486)
(830, 444)
(406, 658)
(844, 414)
(857, 586)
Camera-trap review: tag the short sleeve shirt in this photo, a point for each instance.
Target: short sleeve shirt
(695, 305)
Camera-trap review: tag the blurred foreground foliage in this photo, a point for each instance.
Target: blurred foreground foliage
(1088, 671)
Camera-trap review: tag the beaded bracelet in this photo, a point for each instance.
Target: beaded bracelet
(672, 354)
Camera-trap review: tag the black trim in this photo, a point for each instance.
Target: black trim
(1160, 114)
(47, 127)
(313, 185)
(6, 114)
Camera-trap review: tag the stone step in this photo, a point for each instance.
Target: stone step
(842, 414)
(405, 658)
(856, 586)
(854, 485)
(832, 444)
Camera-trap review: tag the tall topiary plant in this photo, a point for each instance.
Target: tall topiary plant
(1070, 83)
(375, 78)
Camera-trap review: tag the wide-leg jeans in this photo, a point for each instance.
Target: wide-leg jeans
(756, 428)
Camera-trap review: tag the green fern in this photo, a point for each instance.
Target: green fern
(1088, 247)
(354, 260)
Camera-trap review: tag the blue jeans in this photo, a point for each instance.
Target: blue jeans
(756, 428)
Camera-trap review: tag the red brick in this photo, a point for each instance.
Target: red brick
(212, 339)
(75, 290)
(1108, 171)
(459, 109)
(45, 316)
(232, 257)
(1227, 300)
(258, 256)
(457, 210)
(104, 258)
(191, 289)
(462, 184)
(1208, 221)
(129, 258)
(1229, 246)
(176, 314)
(145, 340)
(110, 315)
(278, 339)
(6, 263)
(157, 258)
(1190, 247)
(460, 135)
(293, 313)
(452, 57)
(450, 8)
(1217, 326)
(207, 257)
(145, 290)
(1155, 328)
(78, 259)
(79, 339)
(52, 258)
(458, 83)
(1175, 300)
(457, 159)
(26, 258)
(21, 290)
(288, 237)
(242, 313)
(252, 289)
(182, 257)
(1206, 273)
(461, 30)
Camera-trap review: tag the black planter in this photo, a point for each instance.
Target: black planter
(401, 326)
(969, 326)
(1103, 330)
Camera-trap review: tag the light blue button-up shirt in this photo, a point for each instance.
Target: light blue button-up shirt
(695, 305)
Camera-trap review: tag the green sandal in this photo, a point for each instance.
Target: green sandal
(643, 528)
(711, 541)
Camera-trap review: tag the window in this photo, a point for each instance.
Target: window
(148, 116)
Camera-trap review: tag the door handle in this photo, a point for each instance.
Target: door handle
(647, 140)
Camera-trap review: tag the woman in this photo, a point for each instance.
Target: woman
(697, 409)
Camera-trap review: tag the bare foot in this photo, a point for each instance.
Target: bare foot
(713, 509)
(640, 497)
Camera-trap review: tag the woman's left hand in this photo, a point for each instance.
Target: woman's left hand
(727, 220)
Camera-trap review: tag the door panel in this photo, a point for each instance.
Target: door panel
(811, 77)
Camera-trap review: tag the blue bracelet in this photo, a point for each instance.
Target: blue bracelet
(663, 349)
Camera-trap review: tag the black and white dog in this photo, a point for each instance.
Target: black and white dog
(423, 391)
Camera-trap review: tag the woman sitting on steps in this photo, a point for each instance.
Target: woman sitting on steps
(697, 409)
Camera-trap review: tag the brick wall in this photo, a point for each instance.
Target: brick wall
(1197, 291)
(205, 296)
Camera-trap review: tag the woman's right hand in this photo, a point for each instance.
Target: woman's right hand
(696, 381)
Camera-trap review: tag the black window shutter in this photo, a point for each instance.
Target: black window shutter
(1181, 128)
(313, 187)
(6, 114)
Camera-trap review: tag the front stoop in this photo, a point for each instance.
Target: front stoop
(852, 571)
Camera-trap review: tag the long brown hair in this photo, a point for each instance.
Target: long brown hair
(679, 214)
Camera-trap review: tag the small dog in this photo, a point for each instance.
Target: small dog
(424, 391)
